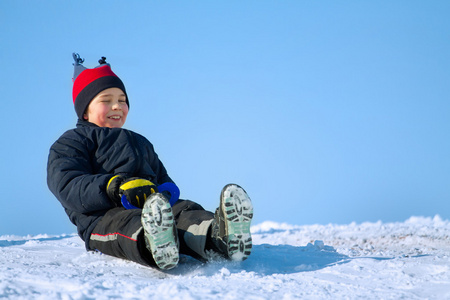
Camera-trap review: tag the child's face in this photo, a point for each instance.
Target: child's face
(108, 109)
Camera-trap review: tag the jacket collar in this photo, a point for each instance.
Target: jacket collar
(83, 123)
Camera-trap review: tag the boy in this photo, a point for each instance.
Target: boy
(98, 167)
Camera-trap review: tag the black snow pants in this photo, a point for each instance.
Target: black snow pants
(120, 233)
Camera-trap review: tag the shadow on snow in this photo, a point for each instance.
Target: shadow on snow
(268, 260)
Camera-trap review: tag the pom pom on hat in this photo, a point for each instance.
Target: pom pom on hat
(87, 83)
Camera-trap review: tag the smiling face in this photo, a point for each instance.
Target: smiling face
(108, 109)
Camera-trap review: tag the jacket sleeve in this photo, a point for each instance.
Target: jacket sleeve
(71, 179)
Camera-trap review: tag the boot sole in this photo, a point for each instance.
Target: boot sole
(238, 211)
(160, 231)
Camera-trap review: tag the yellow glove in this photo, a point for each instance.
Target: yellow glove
(135, 189)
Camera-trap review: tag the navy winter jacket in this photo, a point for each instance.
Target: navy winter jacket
(82, 161)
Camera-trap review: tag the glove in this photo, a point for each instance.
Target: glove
(135, 189)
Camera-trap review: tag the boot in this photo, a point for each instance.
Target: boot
(160, 232)
(230, 230)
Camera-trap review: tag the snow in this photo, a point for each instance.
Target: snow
(407, 260)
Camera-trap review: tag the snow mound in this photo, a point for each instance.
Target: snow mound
(370, 260)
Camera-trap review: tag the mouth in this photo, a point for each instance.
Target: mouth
(115, 118)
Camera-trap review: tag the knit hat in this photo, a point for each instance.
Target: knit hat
(87, 83)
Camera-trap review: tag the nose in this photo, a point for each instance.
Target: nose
(116, 106)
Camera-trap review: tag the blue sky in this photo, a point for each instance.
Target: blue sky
(324, 111)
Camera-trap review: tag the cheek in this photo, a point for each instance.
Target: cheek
(125, 110)
(103, 110)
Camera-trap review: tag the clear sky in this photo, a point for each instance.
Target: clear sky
(324, 111)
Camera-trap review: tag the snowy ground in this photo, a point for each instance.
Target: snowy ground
(408, 260)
